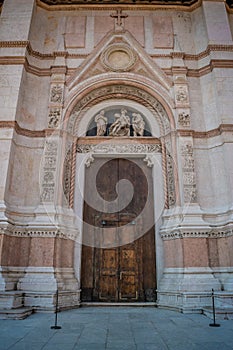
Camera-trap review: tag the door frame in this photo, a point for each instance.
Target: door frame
(84, 159)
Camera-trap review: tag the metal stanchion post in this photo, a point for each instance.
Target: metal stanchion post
(56, 311)
(213, 305)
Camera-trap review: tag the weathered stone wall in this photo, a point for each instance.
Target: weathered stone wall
(53, 63)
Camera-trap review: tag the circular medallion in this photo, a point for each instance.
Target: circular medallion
(118, 57)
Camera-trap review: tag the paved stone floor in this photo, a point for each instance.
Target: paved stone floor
(116, 328)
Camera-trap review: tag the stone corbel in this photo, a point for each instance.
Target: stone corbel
(89, 160)
(149, 161)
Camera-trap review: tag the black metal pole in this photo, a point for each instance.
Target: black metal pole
(213, 306)
(56, 311)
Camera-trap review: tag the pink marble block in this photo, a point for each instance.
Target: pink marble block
(135, 25)
(64, 253)
(14, 251)
(162, 32)
(102, 26)
(75, 32)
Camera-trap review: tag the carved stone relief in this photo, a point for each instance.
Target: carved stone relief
(55, 102)
(67, 172)
(54, 118)
(170, 175)
(184, 119)
(149, 161)
(121, 126)
(56, 93)
(181, 95)
(125, 91)
(189, 179)
(49, 170)
(121, 148)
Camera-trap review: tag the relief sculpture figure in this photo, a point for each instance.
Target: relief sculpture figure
(138, 124)
(101, 123)
(121, 125)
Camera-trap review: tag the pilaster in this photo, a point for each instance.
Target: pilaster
(217, 22)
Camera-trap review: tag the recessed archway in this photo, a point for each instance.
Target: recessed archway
(153, 151)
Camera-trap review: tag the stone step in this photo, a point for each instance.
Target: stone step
(15, 314)
(136, 304)
(223, 313)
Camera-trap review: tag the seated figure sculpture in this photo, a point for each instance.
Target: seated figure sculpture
(121, 125)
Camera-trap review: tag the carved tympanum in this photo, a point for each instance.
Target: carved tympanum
(124, 124)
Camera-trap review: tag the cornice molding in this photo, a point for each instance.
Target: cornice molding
(223, 128)
(46, 72)
(71, 5)
(22, 131)
(211, 233)
(51, 56)
(17, 231)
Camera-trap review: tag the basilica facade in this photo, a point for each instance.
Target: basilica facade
(116, 131)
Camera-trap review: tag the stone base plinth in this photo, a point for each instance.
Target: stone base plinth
(186, 302)
(220, 313)
(15, 314)
(11, 300)
(187, 289)
(45, 301)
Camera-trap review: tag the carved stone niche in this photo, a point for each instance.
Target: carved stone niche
(118, 57)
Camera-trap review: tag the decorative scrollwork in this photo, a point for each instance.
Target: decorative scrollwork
(121, 148)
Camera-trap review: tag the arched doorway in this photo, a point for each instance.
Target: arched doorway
(118, 250)
(97, 266)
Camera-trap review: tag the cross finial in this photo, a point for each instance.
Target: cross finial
(119, 16)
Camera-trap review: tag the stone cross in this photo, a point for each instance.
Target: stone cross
(119, 24)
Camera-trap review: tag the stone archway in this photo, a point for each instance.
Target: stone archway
(152, 150)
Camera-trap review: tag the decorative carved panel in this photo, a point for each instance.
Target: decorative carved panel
(189, 179)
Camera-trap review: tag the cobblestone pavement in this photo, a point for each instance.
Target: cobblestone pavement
(116, 328)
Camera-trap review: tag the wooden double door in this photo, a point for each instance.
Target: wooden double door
(118, 257)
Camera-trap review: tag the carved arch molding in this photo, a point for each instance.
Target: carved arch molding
(120, 92)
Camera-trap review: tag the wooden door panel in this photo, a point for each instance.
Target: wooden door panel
(109, 259)
(128, 286)
(128, 259)
(107, 276)
(108, 287)
(120, 271)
